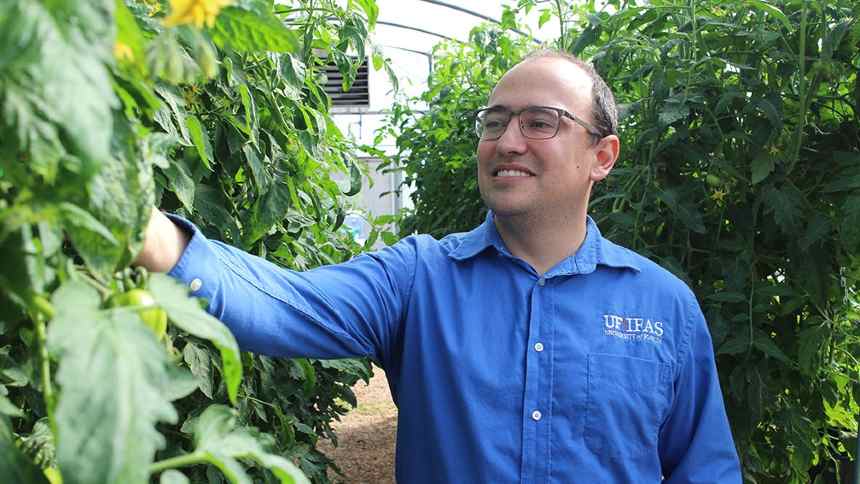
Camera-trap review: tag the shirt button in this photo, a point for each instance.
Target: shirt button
(538, 347)
(536, 415)
(541, 281)
(195, 285)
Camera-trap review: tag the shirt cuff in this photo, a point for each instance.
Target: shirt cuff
(195, 265)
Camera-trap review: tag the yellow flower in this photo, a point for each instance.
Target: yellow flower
(196, 12)
(718, 196)
(122, 52)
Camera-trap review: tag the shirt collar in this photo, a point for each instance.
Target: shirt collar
(481, 237)
(594, 251)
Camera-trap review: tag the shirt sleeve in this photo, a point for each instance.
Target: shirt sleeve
(353, 309)
(696, 442)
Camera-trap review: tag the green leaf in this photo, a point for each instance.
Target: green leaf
(120, 197)
(249, 108)
(371, 10)
(181, 183)
(14, 466)
(358, 367)
(211, 205)
(509, 18)
(389, 238)
(39, 444)
(674, 109)
(545, 16)
(762, 166)
(735, 344)
(67, 81)
(106, 432)
(588, 36)
(128, 32)
(772, 11)
(221, 442)
(309, 375)
(23, 272)
(378, 61)
(730, 297)
(817, 229)
(8, 409)
(785, 203)
(809, 351)
(172, 476)
(849, 229)
(293, 71)
(76, 218)
(171, 115)
(247, 31)
(843, 183)
(200, 138)
(181, 383)
(155, 147)
(771, 110)
(200, 364)
(258, 170)
(354, 179)
(688, 215)
(268, 210)
(768, 347)
(185, 313)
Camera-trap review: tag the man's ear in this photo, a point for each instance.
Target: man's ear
(605, 153)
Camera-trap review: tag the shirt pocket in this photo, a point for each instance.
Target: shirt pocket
(627, 400)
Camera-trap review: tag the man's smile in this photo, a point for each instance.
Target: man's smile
(511, 171)
(506, 173)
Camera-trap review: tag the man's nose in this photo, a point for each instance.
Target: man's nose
(512, 139)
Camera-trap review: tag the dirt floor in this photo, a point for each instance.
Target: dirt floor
(366, 436)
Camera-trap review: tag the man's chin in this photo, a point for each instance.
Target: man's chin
(506, 210)
(506, 205)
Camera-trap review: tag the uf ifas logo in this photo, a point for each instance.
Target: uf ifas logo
(633, 329)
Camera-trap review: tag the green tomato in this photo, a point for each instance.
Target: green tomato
(152, 315)
(713, 180)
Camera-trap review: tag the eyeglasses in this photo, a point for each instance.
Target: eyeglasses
(536, 122)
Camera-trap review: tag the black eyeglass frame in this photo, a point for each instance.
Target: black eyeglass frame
(561, 113)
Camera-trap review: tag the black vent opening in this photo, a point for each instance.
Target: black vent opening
(358, 94)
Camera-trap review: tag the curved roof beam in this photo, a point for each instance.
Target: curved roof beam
(479, 15)
(428, 55)
(416, 29)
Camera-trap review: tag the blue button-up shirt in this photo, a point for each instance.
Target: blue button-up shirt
(599, 371)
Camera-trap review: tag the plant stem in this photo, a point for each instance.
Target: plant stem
(798, 135)
(180, 461)
(47, 388)
(560, 25)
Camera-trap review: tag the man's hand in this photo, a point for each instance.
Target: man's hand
(163, 245)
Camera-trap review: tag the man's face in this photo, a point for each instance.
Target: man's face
(521, 176)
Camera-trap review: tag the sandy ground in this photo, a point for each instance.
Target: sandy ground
(366, 436)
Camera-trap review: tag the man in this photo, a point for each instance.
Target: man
(528, 350)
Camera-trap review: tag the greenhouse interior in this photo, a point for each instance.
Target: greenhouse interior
(425, 241)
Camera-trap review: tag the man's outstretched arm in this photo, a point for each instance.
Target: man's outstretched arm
(343, 310)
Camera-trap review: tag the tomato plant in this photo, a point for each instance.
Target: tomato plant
(211, 109)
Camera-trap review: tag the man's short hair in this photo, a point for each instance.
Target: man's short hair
(604, 112)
